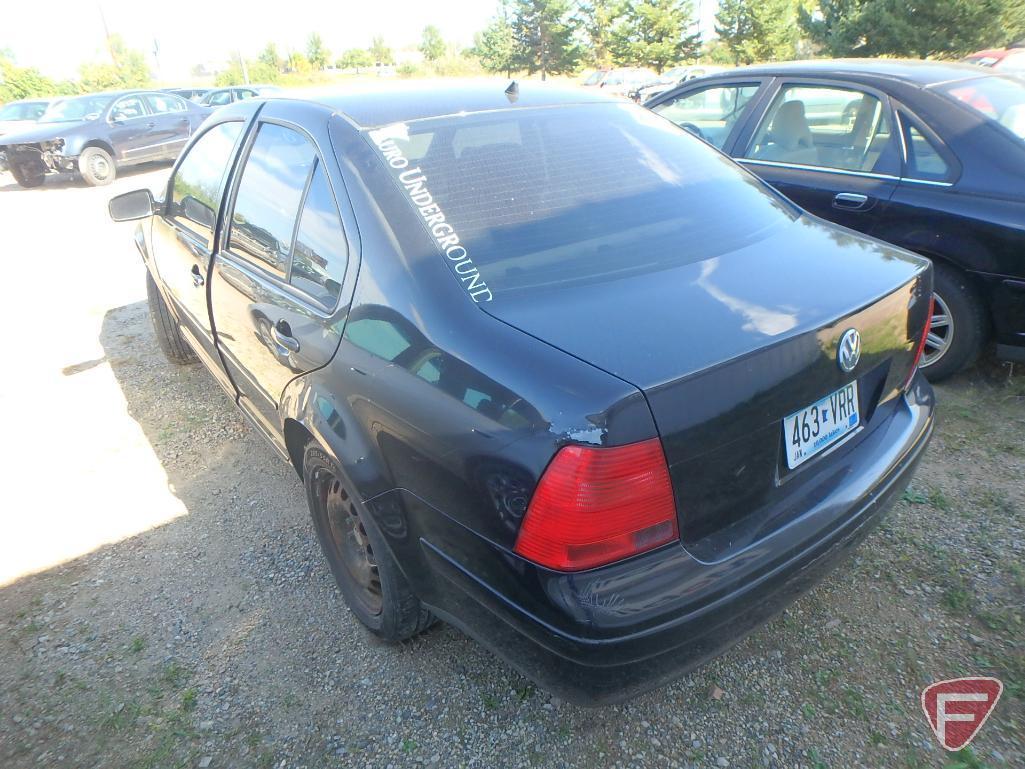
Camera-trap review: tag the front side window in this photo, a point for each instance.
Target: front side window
(709, 113)
(267, 201)
(1001, 99)
(196, 187)
(161, 103)
(518, 200)
(838, 128)
(128, 108)
(320, 252)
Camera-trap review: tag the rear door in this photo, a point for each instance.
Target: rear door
(171, 127)
(281, 265)
(183, 234)
(130, 126)
(829, 146)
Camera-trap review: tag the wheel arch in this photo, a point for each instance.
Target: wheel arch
(311, 410)
(100, 144)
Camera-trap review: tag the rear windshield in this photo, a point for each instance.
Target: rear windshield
(523, 199)
(999, 98)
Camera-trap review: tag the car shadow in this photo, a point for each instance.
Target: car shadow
(230, 605)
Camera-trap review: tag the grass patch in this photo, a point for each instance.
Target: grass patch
(914, 496)
(137, 645)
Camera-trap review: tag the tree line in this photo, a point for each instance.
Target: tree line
(127, 68)
(558, 36)
(554, 37)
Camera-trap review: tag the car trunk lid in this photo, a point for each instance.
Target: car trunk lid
(727, 347)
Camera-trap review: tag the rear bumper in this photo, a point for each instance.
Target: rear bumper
(610, 633)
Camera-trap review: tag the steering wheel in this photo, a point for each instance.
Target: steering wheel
(694, 130)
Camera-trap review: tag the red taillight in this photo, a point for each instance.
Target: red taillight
(921, 343)
(598, 505)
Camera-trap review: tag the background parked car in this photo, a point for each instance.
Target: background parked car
(926, 155)
(670, 78)
(192, 94)
(620, 81)
(17, 116)
(218, 97)
(1008, 61)
(97, 133)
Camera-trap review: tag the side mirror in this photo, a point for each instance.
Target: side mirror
(137, 204)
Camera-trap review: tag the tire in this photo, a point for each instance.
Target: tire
(372, 584)
(96, 166)
(959, 325)
(28, 175)
(169, 336)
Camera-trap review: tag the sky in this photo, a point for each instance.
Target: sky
(70, 32)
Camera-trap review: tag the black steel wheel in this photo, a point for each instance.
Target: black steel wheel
(373, 586)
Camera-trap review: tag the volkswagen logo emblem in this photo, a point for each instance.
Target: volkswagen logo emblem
(848, 353)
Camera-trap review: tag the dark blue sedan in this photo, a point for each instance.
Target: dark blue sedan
(929, 156)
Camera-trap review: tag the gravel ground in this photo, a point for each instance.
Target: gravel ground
(163, 602)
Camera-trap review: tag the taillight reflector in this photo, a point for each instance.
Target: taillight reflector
(594, 506)
(921, 343)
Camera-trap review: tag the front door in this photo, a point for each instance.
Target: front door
(183, 233)
(278, 274)
(829, 148)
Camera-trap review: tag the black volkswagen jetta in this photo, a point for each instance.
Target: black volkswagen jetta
(551, 368)
(929, 156)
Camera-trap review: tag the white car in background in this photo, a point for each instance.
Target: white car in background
(672, 78)
(19, 115)
(620, 81)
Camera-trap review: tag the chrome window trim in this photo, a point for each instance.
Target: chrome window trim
(842, 172)
(823, 169)
(900, 133)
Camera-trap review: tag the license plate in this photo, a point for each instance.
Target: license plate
(820, 425)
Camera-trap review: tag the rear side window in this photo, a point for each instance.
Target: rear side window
(320, 253)
(196, 186)
(924, 160)
(161, 103)
(268, 197)
(217, 99)
(709, 113)
(838, 128)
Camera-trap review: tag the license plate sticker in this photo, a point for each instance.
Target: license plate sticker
(820, 425)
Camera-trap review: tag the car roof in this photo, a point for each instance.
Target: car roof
(382, 104)
(915, 71)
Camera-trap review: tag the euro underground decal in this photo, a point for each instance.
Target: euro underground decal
(414, 182)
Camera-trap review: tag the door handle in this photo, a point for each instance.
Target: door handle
(151, 125)
(850, 201)
(282, 334)
(197, 276)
